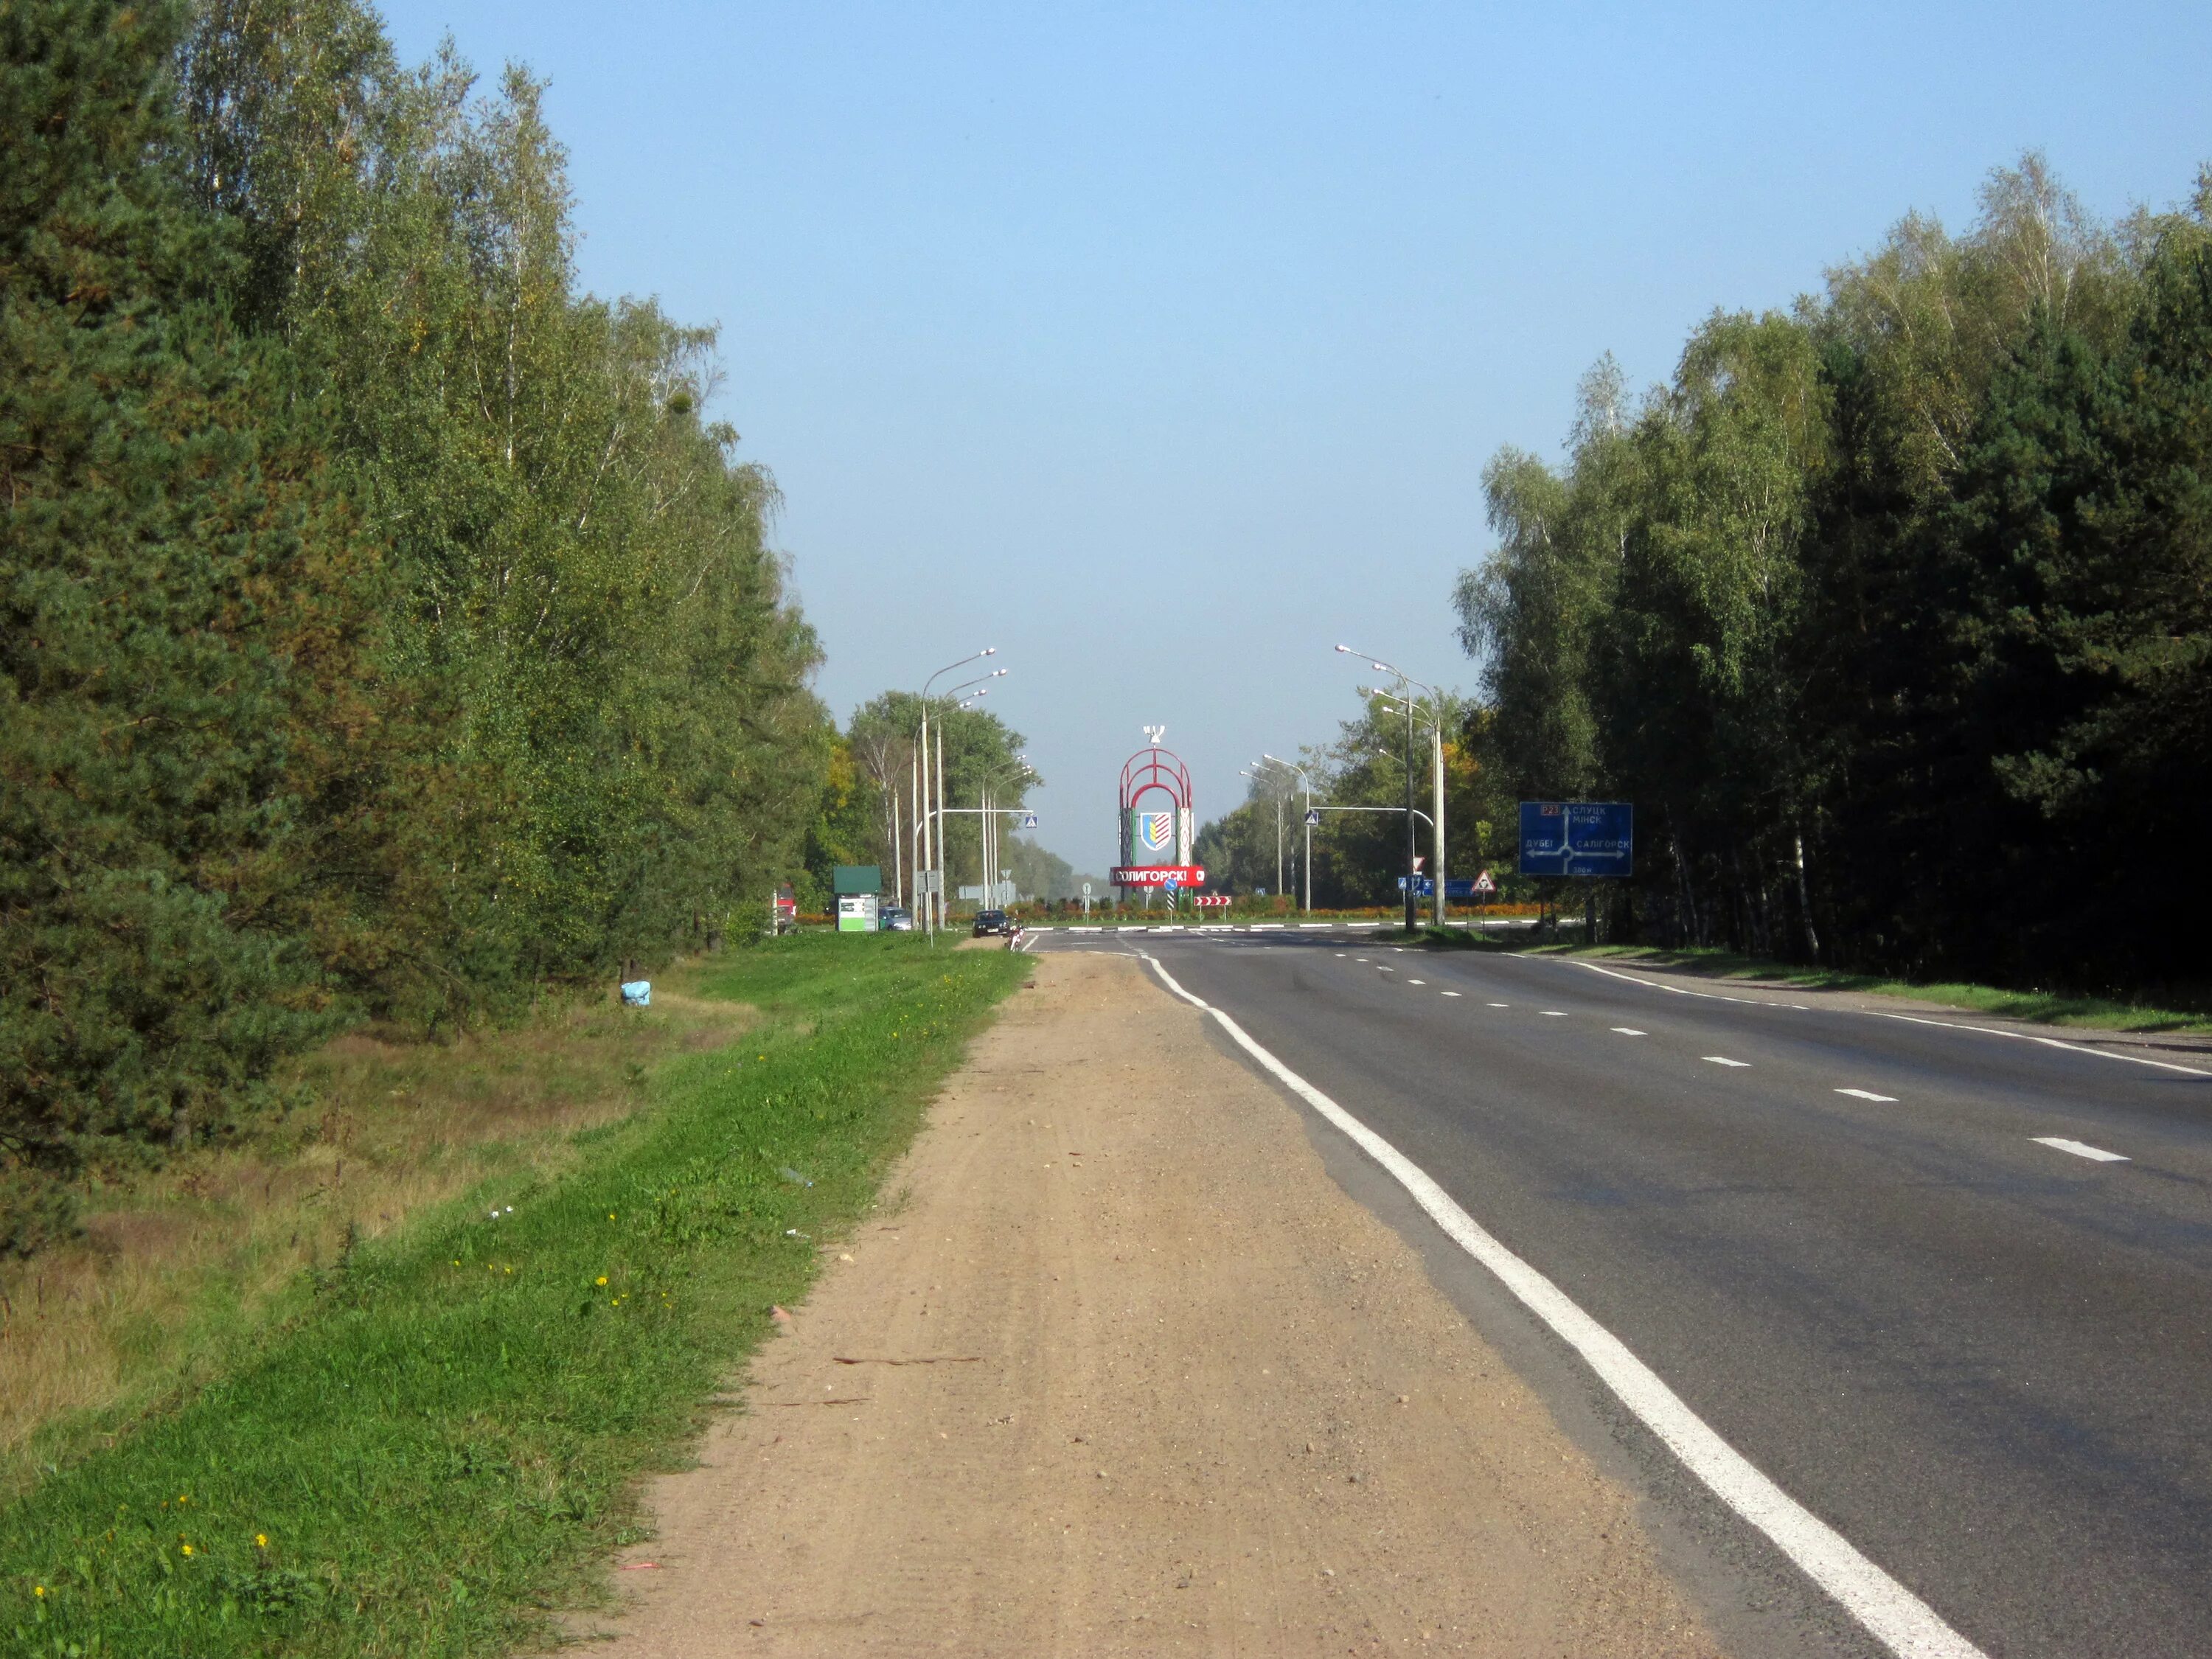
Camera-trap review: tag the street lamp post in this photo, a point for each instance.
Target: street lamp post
(1306, 869)
(1436, 776)
(929, 834)
(1018, 769)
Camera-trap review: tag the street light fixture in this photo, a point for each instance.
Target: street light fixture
(1437, 774)
(1306, 869)
(929, 829)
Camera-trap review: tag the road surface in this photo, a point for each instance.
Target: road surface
(1950, 1290)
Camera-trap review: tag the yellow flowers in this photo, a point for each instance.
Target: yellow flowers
(602, 1278)
(610, 1215)
(39, 1590)
(261, 1541)
(185, 1549)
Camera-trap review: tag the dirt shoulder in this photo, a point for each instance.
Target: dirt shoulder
(1121, 1369)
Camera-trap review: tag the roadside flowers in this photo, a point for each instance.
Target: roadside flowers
(602, 1279)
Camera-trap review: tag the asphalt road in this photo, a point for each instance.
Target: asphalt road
(1985, 1360)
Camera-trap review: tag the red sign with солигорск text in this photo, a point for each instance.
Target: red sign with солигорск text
(1158, 875)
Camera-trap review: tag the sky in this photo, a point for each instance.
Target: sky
(1162, 347)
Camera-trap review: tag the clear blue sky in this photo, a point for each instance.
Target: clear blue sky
(1162, 346)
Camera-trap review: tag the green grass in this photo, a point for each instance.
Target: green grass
(440, 1449)
(2042, 1007)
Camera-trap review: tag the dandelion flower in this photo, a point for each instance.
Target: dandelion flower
(610, 1215)
(261, 1541)
(38, 1589)
(186, 1548)
(602, 1278)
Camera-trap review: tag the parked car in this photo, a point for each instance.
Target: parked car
(895, 919)
(992, 921)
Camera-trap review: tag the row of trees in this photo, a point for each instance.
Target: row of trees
(1892, 613)
(384, 632)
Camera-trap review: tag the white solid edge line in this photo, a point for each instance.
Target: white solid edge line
(1909, 1019)
(2081, 1149)
(1897, 1618)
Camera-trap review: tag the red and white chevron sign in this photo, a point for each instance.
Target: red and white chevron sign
(1210, 900)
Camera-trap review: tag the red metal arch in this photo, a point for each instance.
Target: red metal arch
(1155, 768)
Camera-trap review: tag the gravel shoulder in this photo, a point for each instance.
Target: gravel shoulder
(1119, 1368)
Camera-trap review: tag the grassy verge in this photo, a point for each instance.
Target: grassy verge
(430, 1456)
(2042, 1007)
(178, 1267)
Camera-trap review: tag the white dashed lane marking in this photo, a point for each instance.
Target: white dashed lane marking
(1451, 993)
(2095, 1154)
(1628, 1030)
(1723, 1059)
(1555, 1013)
(1416, 981)
(1866, 1094)
(1500, 1004)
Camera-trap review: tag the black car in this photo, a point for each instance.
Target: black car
(992, 921)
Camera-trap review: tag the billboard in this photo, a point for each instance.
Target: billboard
(1577, 838)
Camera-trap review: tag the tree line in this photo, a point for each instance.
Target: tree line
(1892, 613)
(385, 631)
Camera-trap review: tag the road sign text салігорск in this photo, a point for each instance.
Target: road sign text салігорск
(1577, 838)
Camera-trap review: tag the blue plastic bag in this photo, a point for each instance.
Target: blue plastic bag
(638, 993)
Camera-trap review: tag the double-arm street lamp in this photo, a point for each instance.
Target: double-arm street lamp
(1412, 873)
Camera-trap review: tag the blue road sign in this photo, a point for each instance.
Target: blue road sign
(1577, 838)
(1456, 887)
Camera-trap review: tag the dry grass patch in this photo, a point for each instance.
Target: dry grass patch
(174, 1268)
